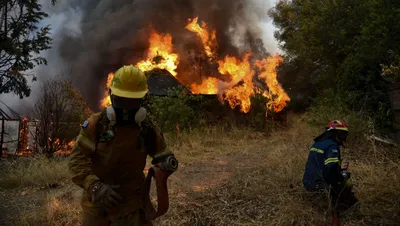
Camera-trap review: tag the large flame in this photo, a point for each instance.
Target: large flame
(237, 70)
(208, 86)
(240, 88)
(277, 96)
(240, 96)
(208, 38)
(160, 54)
(237, 86)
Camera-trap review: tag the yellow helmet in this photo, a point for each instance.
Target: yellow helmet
(129, 82)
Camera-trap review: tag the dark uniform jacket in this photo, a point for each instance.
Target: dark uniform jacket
(323, 167)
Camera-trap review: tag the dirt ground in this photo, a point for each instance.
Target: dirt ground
(195, 177)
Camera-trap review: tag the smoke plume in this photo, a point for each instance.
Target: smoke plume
(115, 32)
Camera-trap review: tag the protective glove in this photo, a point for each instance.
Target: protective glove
(105, 196)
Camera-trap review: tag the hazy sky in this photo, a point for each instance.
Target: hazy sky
(63, 19)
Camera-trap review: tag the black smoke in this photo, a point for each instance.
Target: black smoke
(115, 32)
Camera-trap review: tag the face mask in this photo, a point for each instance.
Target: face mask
(123, 116)
(125, 111)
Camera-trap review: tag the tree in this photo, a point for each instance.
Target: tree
(391, 72)
(21, 43)
(345, 43)
(60, 109)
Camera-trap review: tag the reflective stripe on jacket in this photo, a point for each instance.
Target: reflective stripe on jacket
(323, 166)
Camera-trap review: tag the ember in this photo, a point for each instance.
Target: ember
(65, 148)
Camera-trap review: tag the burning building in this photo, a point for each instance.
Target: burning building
(19, 135)
(160, 81)
(212, 46)
(17, 132)
(237, 80)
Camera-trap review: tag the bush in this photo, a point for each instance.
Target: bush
(192, 111)
(262, 115)
(330, 106)
(177, 108)
(257, 114)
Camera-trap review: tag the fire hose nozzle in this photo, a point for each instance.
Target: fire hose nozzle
(169, 164)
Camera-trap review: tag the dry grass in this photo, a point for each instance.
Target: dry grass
(240, 177)
(57, 209)
(269, 191)
(32, 171)
(210, 143)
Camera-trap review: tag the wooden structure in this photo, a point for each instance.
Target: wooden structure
(18, 133)
(160, 81)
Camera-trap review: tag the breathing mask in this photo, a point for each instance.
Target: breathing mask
(125, 111)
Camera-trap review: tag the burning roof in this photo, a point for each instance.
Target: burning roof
(160, 81)
(232, 80)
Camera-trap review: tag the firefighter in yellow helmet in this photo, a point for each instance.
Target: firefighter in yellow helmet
(110, 155)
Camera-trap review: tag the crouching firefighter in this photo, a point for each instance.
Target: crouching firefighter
(110, 155)
(323, 171)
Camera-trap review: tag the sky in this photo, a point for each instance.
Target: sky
(64, 19)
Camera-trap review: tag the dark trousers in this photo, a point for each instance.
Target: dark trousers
(341, 195)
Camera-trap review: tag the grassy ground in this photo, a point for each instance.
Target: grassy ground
(227, 176)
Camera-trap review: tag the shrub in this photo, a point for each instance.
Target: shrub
(330, 106)
(177, 108)
(257, 114)
(192, 111)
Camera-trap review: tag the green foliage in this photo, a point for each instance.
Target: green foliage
(391, 71)
(258, 111)
(342, 45)
(21, 43)
(332, 106)
(178, 108)
(191, 111)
